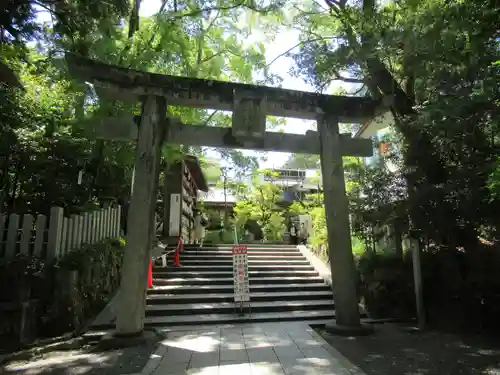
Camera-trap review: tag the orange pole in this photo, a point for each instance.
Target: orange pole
(177, 257)
(150, 274)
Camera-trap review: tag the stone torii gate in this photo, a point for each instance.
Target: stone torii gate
(250, 105)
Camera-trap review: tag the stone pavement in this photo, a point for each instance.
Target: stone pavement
(257, 349)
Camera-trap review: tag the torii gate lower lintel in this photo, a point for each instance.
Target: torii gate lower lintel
(250, 105)
(126, 128)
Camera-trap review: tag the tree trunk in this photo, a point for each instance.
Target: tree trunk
(134, 19)
(383, 80)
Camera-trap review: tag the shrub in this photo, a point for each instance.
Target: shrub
(21, 278)
(385, 285)
(461, 290)
(68, 292)
(97, 277)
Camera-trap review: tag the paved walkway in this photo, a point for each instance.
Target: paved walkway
(260, 349)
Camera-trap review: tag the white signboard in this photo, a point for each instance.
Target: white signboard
(175, 215)
(240, 274)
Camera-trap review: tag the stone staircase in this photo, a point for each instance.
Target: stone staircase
(284, 287)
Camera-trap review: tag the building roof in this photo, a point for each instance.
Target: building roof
(372, 126)
(303, 187)
(215, 195)
(193, 164)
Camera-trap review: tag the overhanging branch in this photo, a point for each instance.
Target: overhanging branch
(295, 46)
(339, 77)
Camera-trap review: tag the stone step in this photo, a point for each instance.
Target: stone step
(254, 288)
(229, 250)
(284, 286)
(199, 327)
(229, 280)
(229, 268)
(180, 273)
(216, 321)
(222, 262)
(213, 319)
(207, 256)
(249, 247)
(250, 252)
(95, 333)
(298, 295)
(228, 307)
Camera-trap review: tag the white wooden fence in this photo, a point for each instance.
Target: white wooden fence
(52, 237)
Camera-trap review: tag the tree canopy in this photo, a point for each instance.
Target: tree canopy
(44, 124)
(302, 161)
(261, 205)
(438, 59)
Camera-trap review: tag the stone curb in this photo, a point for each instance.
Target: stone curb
(353, 369)
(317, 263)
(324, 271)
(156, 357)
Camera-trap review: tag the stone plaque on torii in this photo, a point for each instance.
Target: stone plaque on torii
(250, 105)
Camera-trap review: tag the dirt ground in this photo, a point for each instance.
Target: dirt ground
(394, 350)
(83, 362)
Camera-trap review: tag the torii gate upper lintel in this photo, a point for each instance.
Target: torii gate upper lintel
(210, 94)
(250, 105)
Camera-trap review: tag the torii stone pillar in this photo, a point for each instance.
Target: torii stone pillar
(132, 294)
(339, 234)
(248, 132)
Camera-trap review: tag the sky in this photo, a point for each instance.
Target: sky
(283, 42)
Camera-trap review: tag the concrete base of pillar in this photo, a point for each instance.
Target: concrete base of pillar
(114, 340)
(342, 330)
